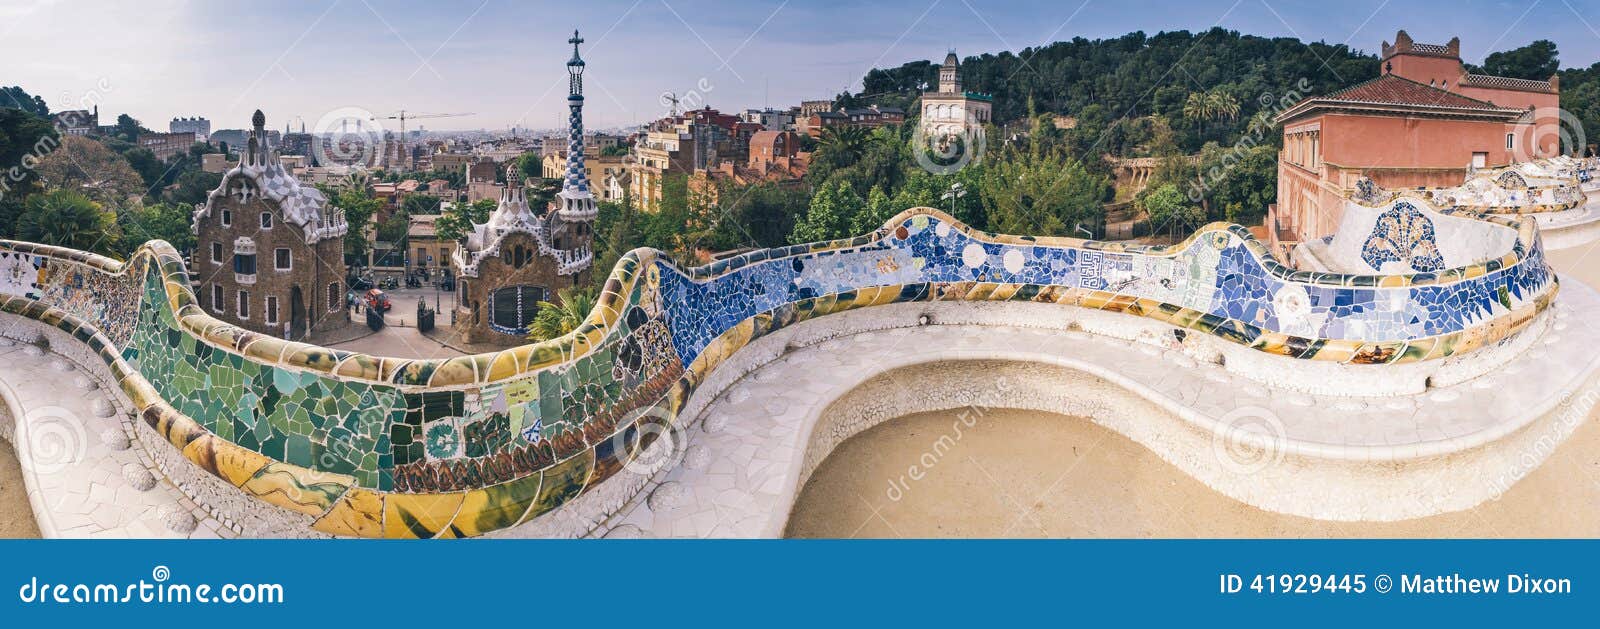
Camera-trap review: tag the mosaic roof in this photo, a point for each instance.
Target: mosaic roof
(511, 216)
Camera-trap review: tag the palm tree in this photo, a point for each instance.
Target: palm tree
(556, 320)
(1223, 104)
(844, 145)
(1197, 107)
(358, 179)
(68, 219)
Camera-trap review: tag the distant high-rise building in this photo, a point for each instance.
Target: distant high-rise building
(200, 127)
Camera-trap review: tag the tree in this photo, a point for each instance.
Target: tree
(17, 98)
(831, 215)
(395, 229)
(670, 228)
(1169, 208)
(86, 165)
(1237, 185)
(1197, 107)
(193, 187)
(66, 218)
(128, 129)
(157, 221)
(842, 146)
(10, 210)
(1538, 60)
(155, 173)
(24, 139)
(456, 222)
(617, 231)
(1045, 193)
(877, 211)
(757, 215)
(1128, 78)
(418, 204)
(556, 320)
(530, 165)
(358, 206)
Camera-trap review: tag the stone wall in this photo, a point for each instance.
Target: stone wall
(373, 446)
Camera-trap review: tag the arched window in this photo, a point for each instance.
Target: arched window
(513, 307)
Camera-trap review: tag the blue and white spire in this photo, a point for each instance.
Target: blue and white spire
(576, 180)
(577, 202)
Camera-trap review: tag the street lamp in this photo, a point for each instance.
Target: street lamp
(957, 191)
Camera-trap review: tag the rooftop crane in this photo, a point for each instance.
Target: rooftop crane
(404, 115)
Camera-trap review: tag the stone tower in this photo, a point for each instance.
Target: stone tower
(950, 74)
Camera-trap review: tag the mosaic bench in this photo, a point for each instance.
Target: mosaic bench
(371, 446)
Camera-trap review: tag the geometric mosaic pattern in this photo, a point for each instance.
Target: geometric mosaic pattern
(375, 446)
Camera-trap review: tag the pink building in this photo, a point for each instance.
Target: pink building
(1422, 122)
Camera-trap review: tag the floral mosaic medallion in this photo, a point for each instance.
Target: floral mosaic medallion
(1402, 233)
(442, 440)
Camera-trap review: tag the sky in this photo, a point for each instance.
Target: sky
(504, 61)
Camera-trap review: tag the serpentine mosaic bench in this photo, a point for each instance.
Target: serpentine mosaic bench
(384, 447)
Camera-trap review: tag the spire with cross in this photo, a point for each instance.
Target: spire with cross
(577, 178)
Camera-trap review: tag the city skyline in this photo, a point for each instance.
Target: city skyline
(489, 57)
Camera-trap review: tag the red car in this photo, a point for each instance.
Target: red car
(377, 300)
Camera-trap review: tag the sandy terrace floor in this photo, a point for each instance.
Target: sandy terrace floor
(16, 516)
(1026, 474)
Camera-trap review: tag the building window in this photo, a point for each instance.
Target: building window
(244, 304)
(227, 218)
(266, 220)
(1511, 141)
(512, 308)
(216, 299)
(216, 253)
(244, 263)
(335, 297)
(281, 260)
(272, 309)
(1480, 159)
